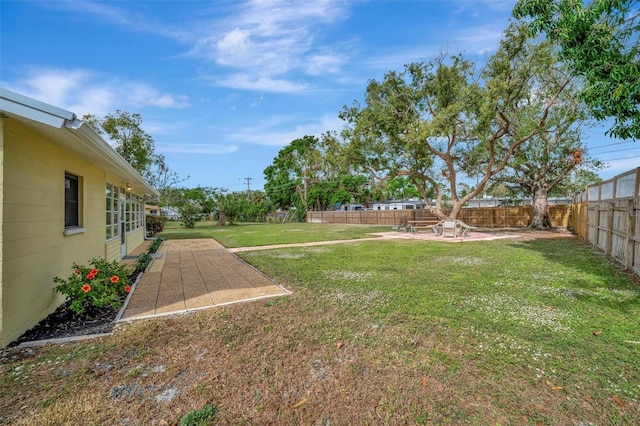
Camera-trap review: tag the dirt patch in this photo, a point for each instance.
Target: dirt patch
(528, 234)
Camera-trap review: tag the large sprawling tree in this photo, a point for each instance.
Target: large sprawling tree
(441, 122)
(600, 41)
(545, 163)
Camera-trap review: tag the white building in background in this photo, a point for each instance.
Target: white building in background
(352, 207)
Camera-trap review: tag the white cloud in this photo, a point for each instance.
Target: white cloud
(51, 85)
(264, 84)
(494, 5)
(280, 131)
(322, 64)
(234, 48)
(83, 91)
(163, 125)
(193, 148)
(269, 39)
(479, 39)
(120, 16)
(141, 94)
(266, 41)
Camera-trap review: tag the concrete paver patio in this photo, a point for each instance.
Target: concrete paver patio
(188, 275)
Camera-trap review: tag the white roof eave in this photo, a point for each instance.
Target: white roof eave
(35, 113)
(15, 103)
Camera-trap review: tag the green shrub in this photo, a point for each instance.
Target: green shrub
(97, 285)
(189, 214)
(205, 416)
(155, 225)
(155, 245)
(143, 261)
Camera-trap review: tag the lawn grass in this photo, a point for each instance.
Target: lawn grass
(250, 235)
(375, 332)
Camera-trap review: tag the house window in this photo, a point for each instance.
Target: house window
(134, 212)
(71, 201)
(111, 196)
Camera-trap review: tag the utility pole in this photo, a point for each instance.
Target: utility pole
(248, 179)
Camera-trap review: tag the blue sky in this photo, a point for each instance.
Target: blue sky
(223, 85)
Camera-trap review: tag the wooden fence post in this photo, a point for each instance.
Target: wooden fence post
(631, 232)
(610, 209)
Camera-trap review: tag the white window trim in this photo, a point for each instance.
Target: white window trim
(72, 230)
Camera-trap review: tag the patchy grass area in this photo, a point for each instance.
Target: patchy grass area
(375, 332)
(250, 235)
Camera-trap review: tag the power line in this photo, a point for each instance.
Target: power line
(610, 144)
(618, 159)
(619, 150)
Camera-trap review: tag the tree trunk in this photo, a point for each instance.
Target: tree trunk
(455, 211)
(222, 218)
(541, 210)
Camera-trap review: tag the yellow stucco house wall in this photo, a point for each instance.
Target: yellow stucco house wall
(66, 197)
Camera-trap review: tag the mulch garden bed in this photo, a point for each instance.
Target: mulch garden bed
(64, 323)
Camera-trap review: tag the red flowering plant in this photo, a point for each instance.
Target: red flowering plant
(99, 284)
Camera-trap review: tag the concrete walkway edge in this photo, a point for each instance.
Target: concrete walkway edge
(195, 274)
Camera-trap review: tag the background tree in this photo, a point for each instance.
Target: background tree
(228, 205)
(124, 129)
(137, 147)
(190, 213)
(600, 41)
(255, 208)
(438, 122)
(543, 167)
(310, 174)
(193, 204)
(577, 180)
(292, 172)
(339, 182)
(164, 180)
(399, 188)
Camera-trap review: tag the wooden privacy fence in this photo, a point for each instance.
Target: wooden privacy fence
(608, 216)
(485, 217)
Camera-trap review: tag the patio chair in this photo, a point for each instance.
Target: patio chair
(449, 228)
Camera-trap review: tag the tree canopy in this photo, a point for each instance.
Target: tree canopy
(131, 142)
(600, 41)
(310, 174)
(439, 122)
(137, 147)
